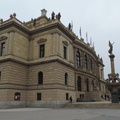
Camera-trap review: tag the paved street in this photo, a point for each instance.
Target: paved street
(59, 114)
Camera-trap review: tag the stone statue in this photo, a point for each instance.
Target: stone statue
(111, 47)
(1, 21)
(34, 22)
(59, 16)
(69, 26)
(95, 84)
(11, 16)
(14, 15)
(53, 15)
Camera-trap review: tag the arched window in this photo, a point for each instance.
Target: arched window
(78, 62)
(66, 78)
(79, 85)
(17, 96)
(87, 84)
(91, 67)
(86, 62)
(40, 78)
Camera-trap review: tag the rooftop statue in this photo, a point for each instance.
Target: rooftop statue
(69, 26)
(59, 16)
(53, 15)
(1, 21)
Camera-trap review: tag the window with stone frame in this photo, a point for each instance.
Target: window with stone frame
(42, 51)
(17, 96)
(65, 46)
(65, 52)
(66, 78)
(81, 95)
(87, 84)
(78, 61)
(91, 64)
(2, 45)
(79, 83)
(40, 78)
(67, 96)
(101, 73)
(2, 50)
(86, 61)
(39, 96)
(0, 75)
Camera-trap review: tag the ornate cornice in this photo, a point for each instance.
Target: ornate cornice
(30, 32)
(16, 25)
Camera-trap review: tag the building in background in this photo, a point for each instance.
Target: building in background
(43, 63)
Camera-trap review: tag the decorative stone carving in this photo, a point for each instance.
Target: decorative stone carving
(66, 43)
(94, 82)
(58, 16)
(3, 38)
(34, 22)
(111, 47)
(69, 26)
(53, 15)
(13, 16)
(1, 21)
(41, 40)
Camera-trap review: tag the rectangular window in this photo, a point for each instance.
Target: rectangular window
(65, 52)
(38, 96)
(0, 75)
(81, 95)
(42, 51)
(67, 96)
(2, 49)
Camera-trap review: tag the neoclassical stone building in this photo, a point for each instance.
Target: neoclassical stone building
(43, 63)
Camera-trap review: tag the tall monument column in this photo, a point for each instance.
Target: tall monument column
(112, 63)
(113, 80)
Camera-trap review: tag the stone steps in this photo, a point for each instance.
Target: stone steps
(93, 105)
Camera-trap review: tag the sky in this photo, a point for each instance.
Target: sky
(99, 18)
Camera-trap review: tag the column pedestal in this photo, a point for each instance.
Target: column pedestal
(115, 97)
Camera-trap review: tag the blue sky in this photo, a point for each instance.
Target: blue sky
(99, 18)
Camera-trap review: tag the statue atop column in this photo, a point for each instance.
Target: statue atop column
(113, 81)
(111, 47)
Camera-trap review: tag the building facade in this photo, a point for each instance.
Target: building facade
(43, 63)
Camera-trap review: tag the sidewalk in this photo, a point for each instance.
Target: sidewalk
(94, 105)
(59, 114)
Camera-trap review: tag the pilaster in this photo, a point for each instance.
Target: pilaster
(10, 46)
